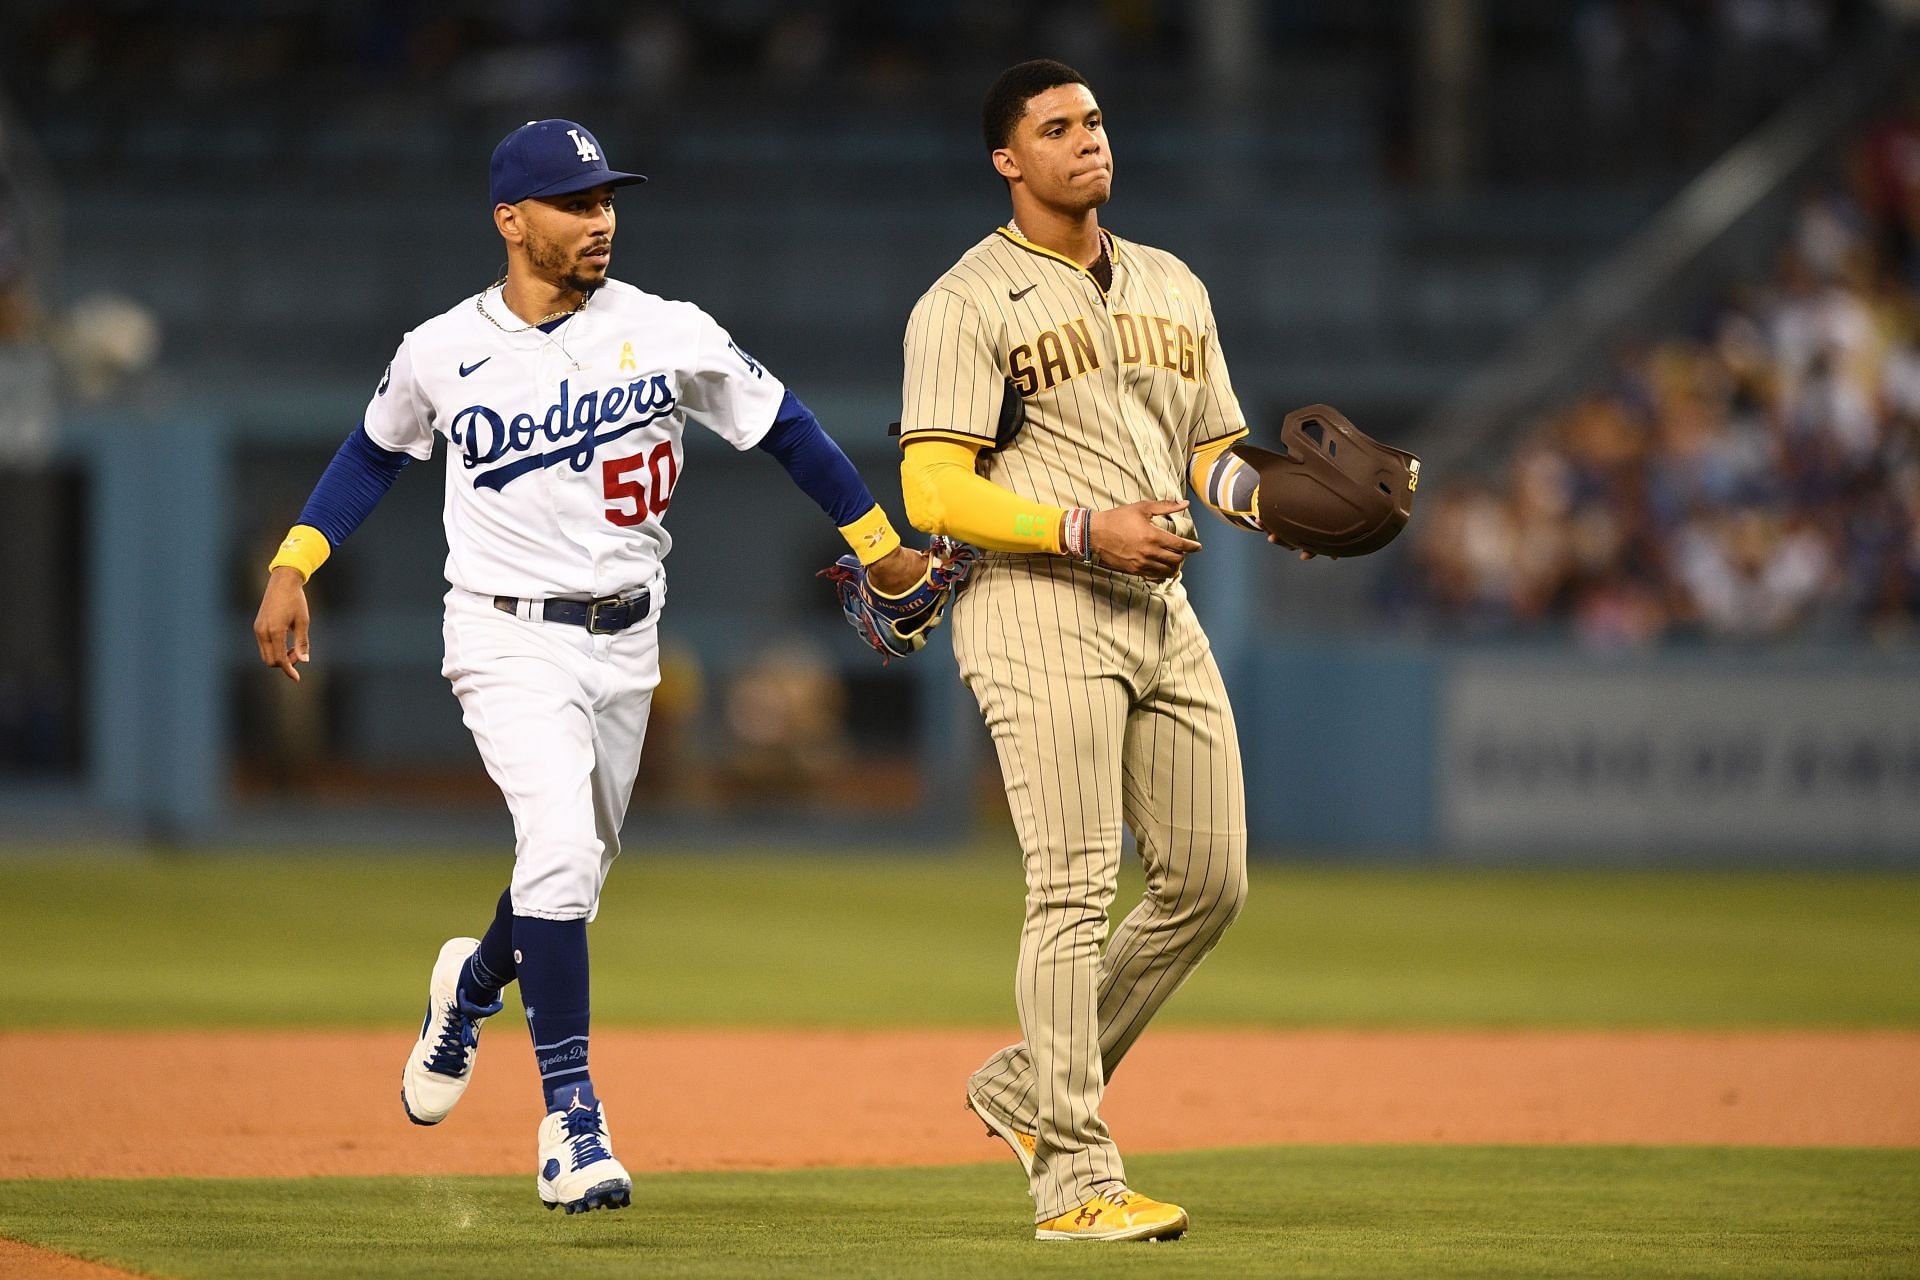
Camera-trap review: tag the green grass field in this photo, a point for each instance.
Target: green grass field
(808, 940)
(1332, 1211)
(813, 940)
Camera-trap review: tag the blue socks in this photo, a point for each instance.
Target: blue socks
(554, 988)
(549, 958)
(492, 967)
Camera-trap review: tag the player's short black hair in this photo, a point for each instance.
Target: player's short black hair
(1007, 100)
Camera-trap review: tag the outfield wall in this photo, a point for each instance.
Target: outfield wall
(1809, 756)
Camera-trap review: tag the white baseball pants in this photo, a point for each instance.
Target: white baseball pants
(559, 715)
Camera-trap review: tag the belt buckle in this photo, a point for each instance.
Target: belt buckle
(628, 603)
(593, 616)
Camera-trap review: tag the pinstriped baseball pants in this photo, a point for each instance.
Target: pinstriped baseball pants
(1105, 706)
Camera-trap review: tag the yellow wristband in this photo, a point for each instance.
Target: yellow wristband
(305, 549)
(871, 536)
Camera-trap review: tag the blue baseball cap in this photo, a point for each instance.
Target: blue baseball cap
(551, 158)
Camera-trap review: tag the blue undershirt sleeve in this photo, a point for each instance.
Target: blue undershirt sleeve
(357, 478)
(816, 463)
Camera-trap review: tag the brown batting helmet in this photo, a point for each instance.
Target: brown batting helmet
(1331, 489)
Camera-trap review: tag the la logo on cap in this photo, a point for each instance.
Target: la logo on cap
(532, 161)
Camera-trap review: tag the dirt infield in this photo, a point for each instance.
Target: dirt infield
(18, 1259)
(289, 1104)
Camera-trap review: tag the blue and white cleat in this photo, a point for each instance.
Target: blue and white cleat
(577, 1168)
(441, 1062)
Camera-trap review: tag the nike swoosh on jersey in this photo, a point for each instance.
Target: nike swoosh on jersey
(466, 369)
(1012, 296)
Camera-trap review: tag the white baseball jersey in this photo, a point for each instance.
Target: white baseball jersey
(565, 447)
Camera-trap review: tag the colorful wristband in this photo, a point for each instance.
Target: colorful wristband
(1076, 534)
(871, 536)
(305, 549)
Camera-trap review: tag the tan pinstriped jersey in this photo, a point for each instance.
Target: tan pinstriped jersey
(1118, 387)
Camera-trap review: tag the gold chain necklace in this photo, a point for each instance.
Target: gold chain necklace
(480, 305)
(1106, 246)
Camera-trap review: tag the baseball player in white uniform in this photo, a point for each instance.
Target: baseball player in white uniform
(563, 396)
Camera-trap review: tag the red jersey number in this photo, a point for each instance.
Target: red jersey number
(640, 486)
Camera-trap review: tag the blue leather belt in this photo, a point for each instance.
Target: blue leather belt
(602, 617)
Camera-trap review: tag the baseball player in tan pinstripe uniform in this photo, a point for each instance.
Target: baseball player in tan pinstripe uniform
(1074, 634)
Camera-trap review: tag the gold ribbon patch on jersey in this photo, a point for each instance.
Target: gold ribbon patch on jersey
(627, 362)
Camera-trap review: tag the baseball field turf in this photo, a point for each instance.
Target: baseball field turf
(119, 965)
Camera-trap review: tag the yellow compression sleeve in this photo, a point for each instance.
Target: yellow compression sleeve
(945, 495)
(1224, 483)
(305, 549)
(871, 536)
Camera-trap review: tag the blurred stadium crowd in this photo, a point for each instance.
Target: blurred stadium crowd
(472, 54)
(1659, 76)
(1757, 477)
(1632, 51)
(18, 316)
(1655, 79)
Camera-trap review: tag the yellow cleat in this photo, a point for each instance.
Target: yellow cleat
(1020, 1142)
(1119, 1214)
